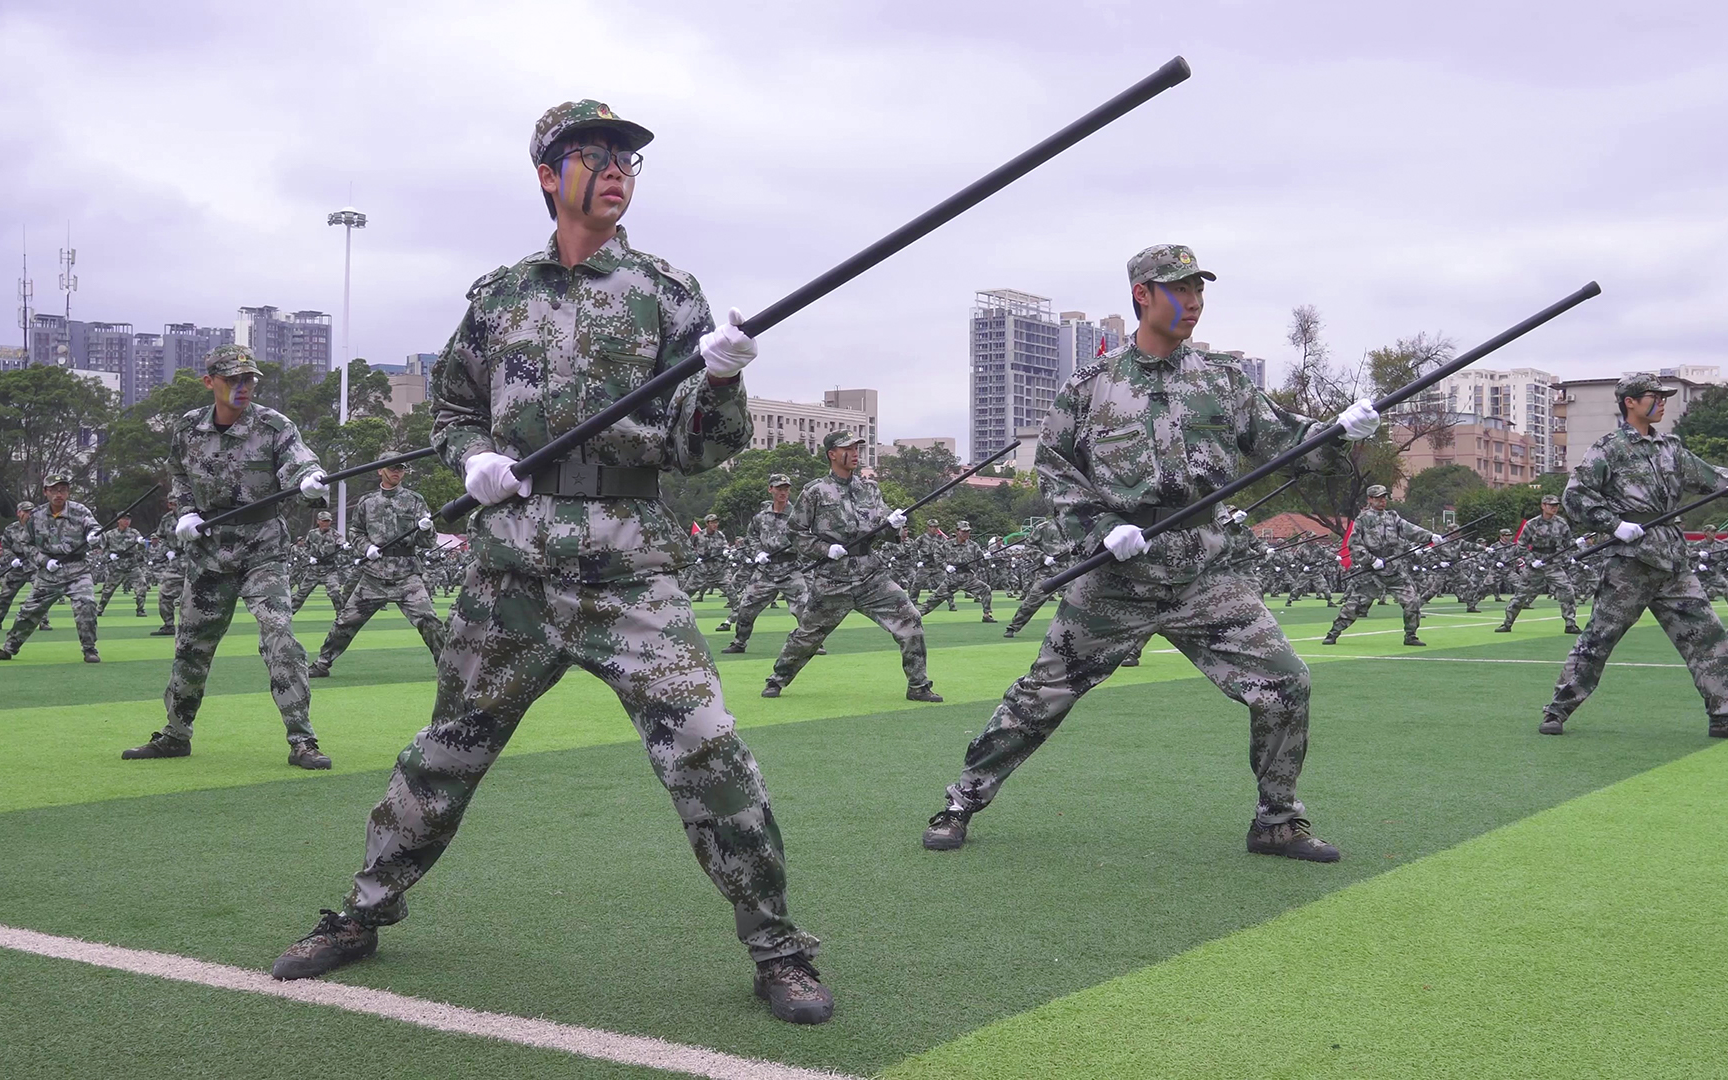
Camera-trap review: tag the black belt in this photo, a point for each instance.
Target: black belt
(590, 480)
(1148, 516)
(397, 550)
(64, 559)
(253, 516)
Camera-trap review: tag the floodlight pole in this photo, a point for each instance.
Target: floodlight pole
(350, 219)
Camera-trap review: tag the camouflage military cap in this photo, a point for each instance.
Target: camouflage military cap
(1639, 383)
(1505, 532)
(839, 440)
(55, 479)
(324, 515)
(932, 523)
(1550, 500)
(712, 517)
(1166, 262)
(584, 115)
(228, 360)
(779, 479)
(1378, 491)
(963, 526)
(26, 506)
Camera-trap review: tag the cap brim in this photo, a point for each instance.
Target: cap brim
(634, 134)
(1166, 279)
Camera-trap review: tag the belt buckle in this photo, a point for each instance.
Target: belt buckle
(581, 478)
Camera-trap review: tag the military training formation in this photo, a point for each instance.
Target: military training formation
(1151, 459)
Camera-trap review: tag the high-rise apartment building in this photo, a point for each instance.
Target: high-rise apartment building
(185, 345)
(862, 401)
(1016, 361)
(1078, 341)
(1523, 397)
(297, 339)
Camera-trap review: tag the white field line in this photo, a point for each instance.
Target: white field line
(541, 1034)
(1483, 660)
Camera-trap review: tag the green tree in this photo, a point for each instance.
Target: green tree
(920, 471)
(1506, 507)
(747, 486)
(50, 420)
(1432, 490)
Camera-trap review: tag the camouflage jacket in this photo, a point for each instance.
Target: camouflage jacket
(323, 545)
(382, 516)
(711, 547)
(16, 545)
(930, 550)
(543, 348)
(1047, 537)
(163, 539)
(1546, 537)
(57, 537)
(1130, 432)
(1381, 534)
(126, 543)
(966, 557)
(213, 471)
(772, 533)
(834, 511)
(1625, 473)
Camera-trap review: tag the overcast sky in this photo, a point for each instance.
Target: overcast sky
(1450, 169)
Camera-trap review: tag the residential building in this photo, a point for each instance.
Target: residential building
(1252, 366)
(861, 401)
(1015, 363)
(14, 357)
(297, 339)
(410, 383)
(185, 345)
(1024, 456)
(1588, 410)
(147, 367)
(778, 422)
(1523, 397)
(1487, 445)
(945, 442)
(1079, 341)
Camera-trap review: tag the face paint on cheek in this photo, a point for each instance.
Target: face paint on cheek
(1176, 316)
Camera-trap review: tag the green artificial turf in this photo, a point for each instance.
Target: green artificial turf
(1583, 941)
(571, 892)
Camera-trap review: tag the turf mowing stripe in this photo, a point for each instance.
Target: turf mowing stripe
(1580, 941)
(543, 1034)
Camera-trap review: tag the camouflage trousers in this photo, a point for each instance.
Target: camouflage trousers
(206, 611)
(761, 591)
(1362, 591)
(1549, 577)
(1035, 599)
(1309, 583)
(371, 595)
(71, 580)
(1629, 588)
(132, 577)
(1217, 621)
(879, 600)
(703, 577)
(331, 579)
(170, 583)
(1471, 586)
(512, 637)
(973, 585)
(10, 582)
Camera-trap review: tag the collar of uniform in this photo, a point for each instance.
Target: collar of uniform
(241, 426)
(1631, 432)
(609, 258)
(1145, 359)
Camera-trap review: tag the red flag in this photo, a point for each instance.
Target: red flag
(1520, 531)
(1344, 544)
(695, 528)
(1101, 347)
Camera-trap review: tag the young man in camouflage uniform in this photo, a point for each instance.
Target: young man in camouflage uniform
(60, 535)
(1626, 479)
(576, 567)
(17, 561)
(965, 571)
(931, 549)
(220, 457)
(1050, 549)
(123, 548)
(1502, 564)
(324, 547)
(831, 513)
(768, 545)
(394, 524)
(170, 572)
(709, 569)
(1378, 535)
(1132, 438)
(1548, 539)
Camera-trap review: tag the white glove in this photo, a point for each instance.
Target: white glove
(1535, 564)
(1703, 568)
(1049, 560)
(920, 564)
(342, 543)
(1240, 517)
(1445, 566)
(1628, 531)
(490, 480)
(425, 524)
(1501, 565)
(17, 564)
(761, 558)
(1305, 569)
(1379, 564)
(312, 559)
(897, 519)
(1270, 553)
(53, 564)
(725, 351)
(836, 551)
(92, 536)
(113, 557)
(372, 551)
(1359, 421)
(187, 527)
(1125, 542)
(1582, 542)
(949, 568)
(170, 554)
(314, 487)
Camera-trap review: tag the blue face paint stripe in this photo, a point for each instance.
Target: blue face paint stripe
(1176, 318)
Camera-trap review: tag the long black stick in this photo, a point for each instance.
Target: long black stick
(1141, 92)
(329, 478)
(1275, 492)
(1672, 515)
(1331, 432)
(862, 544)
(133, 505)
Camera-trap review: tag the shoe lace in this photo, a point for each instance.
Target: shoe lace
(796, 968)
(329, 922)
(950, 814)
(1300, 827)
(307, 745)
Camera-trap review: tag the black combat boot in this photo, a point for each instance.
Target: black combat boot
(1291, 839)
(947, 829)
(1412, 639)
(1552, 725)
(734, 647)
(305, 755)
(335, 941)
(159, 746)
(793, 990)
(923, 693)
